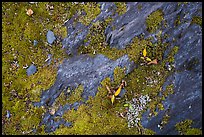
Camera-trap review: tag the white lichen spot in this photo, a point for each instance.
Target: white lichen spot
(137, 105)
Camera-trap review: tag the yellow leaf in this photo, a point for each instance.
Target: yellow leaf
(118, 91)
(142, 57)
(148, 59)
(112, 99)
(144, 52)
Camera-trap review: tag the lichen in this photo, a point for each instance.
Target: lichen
(184, 128)
(91, 9)
(154, 20)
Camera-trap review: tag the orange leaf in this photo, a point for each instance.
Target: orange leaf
(153, 62)
(29, 12)
(118, 91)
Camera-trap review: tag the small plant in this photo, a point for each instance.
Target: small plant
(113, 92)
(147, 60)
(184, 128)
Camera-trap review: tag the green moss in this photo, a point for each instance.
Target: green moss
(193, 131)
(184, 128)
(177, 21)
(97, 44)
(119, 74)
(19, 31)
(76, 94)
(121, 7)
(92, 10)
(97, 116)
(154, 20)
(173, 51)
(165, 120)
(197, 20)
(136, 85)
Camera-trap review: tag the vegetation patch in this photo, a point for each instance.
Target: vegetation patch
(184, 128)
(88, 12)
(121, 7)
(154, 21)
(18, 52)
(197, 20)
(98, 115)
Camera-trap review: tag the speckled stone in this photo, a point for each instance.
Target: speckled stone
(50, 37)
(31, 70)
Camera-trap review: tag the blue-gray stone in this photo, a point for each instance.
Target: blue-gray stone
(50, 37)
(35, 42)
(68, 124)
(8, 114)
(31, 70)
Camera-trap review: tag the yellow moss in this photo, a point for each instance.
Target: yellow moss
(154, 20)
(76, 94)
(197, 20)
(91, 9)
(184, 128)
(19, 30)
(121, 7)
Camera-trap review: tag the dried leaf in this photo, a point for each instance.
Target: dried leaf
(124, 83)
(112, 99)
(144, 52)
(109, 91)
(29, 12)
(123, 114)
(153, 62)
(118, 91)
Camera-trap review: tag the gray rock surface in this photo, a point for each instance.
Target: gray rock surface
(35, 42)
(50, 37)
(31, 70)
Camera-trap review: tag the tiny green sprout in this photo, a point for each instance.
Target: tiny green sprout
(128, 105)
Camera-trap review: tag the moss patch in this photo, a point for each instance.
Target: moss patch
(197, 20)
(91, 9)
(184, 128)
(154, 20)
(121, 7)
(76, 94)
(19, 32)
